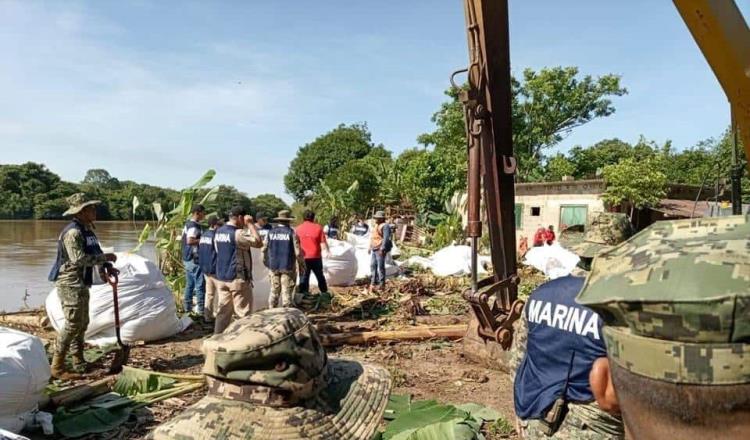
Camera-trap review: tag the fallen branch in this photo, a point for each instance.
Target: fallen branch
(71, 396)
(411, 334)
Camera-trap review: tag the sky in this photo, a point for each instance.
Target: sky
(159, 92)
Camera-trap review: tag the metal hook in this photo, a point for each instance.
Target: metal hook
(453, 75)
(509, 165)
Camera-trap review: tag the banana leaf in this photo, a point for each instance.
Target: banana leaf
(134, 381)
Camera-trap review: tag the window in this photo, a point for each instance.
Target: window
(519, 214)
(536, 211)
(573, 215)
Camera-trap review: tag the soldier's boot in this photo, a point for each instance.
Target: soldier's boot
(58, 369)
(79, 362)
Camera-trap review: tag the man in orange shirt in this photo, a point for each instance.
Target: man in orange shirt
(311, 240)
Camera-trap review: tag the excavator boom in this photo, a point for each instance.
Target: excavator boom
(724, 38)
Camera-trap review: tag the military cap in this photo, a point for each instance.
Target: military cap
(675, 300)
(603, 232)
(284, 216)
(77, 202)
(270, 378)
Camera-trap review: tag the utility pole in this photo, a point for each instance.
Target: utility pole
(737, 170)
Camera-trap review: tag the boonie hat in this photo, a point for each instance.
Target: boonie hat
(77, 202)
(603, 232)
(379, 214)
(270, 378)
(284, 216)
(675, 300)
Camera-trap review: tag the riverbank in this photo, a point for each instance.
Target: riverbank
(429, 369)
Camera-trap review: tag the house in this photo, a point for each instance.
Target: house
(571, 203)
(560, 204)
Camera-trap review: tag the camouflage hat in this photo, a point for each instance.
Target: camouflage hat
(378, 214)
(270, 378)
(284, 216)
(77, 202)
(605, 231)
(676, 301)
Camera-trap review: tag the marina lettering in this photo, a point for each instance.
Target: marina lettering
(284, 237)
(222, 238)
(571, 319)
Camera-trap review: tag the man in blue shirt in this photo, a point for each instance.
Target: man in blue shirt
(207, 261)
(194, 283)
(556, 343)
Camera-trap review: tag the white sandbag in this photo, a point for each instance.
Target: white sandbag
(341, 266)
(554, 260)
(24, 373)
(451, 261)
(147, 307)
(261, 282)
(362, 245)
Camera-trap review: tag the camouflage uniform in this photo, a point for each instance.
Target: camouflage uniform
(283, 282)
(270, 378)
(583, 420)
(74, 293)
(676, 303)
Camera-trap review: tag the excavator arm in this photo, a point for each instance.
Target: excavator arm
(491, 171)
(723, 36)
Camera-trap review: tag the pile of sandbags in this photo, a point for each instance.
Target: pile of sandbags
(451, 260)
(147, 307)
(24, 373)
(361, 244)
(340, 266)
(554, 260)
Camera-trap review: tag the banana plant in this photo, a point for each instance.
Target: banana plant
(167, 234)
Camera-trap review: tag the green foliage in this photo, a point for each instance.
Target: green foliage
(547, 105)
(339, 202)
(133, 381)
(635, 184)
(227, 197)
(168, 232)
(557, 167)
(430, 420)
(267, 204)
(317, 160)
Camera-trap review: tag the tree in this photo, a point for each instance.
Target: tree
(559, 166)
(634, 184)
(100, 178)
(227, 197)
(357, 200)
(318, 159)
(267, 204)
(549, 104)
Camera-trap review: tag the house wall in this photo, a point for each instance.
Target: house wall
(549, 210)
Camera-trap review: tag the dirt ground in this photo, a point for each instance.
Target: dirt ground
(433, 369)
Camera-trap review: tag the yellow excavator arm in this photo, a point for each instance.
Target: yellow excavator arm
(724, 38)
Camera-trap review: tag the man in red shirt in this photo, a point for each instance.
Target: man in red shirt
(549, 235)
(311, 239)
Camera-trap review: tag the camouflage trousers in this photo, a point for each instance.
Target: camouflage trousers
(75, 305)
(234, 298)
(282, 285)
(583, 421)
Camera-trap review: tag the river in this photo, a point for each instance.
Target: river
(27, 251)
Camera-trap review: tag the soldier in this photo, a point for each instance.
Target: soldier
(555, 346)
(675, 300)
(194, 282)
(207, 260)
(269, 377)
(282, 256)
(234, 268)
(78, 252)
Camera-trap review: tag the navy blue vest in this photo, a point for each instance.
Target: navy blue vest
(281, 248)
(333, 232)
(565, 339)
(360, 229)
(207, 253)
(226, 253)
(91, 247)
(189, 252)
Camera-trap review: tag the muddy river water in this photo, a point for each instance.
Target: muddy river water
(27, 251)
